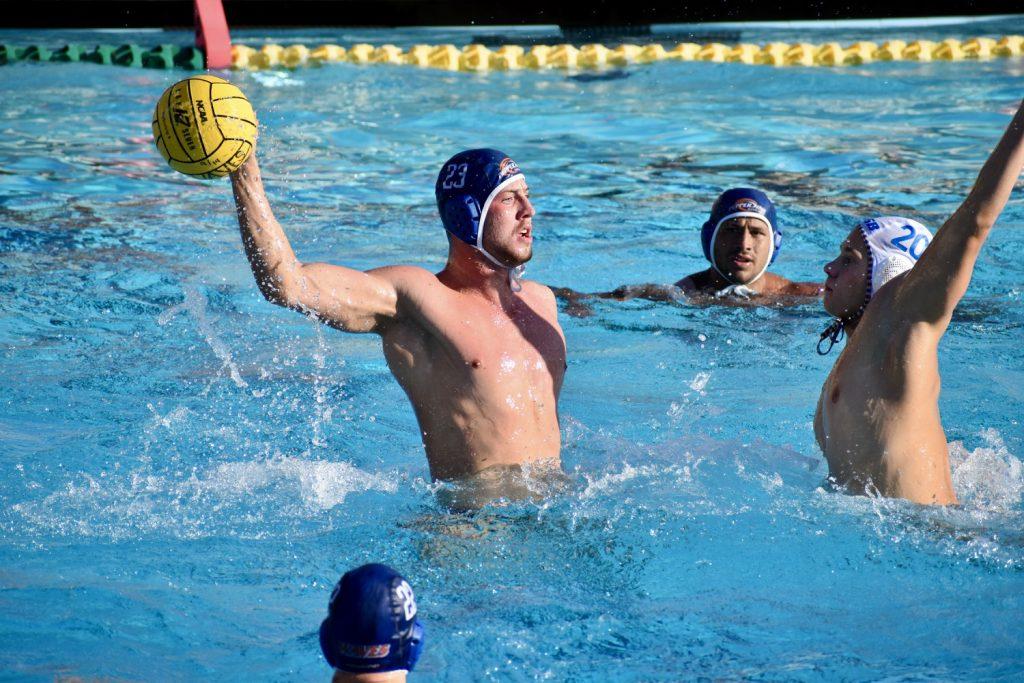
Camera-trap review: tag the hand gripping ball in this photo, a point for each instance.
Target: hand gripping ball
(204, 127)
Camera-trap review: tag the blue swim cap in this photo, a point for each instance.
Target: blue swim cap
(371, 623)
(740, 202)
(465, 187)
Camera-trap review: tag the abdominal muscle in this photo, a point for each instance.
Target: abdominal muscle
(464, 436)
(481, 401)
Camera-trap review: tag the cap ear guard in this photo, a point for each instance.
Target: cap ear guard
(706, 231)
(891, 267)
(327, 644)
(776, 243)
(414, 646)
(461, 215)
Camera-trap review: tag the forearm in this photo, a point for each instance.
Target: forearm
(270, 255)
(940, 279)
(997, 178)
(651, 292)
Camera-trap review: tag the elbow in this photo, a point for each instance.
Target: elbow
(276, 291)
(983, 222)
(275, 297)
(278, 299)
(981, 216)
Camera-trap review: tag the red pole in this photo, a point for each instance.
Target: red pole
(212, 35)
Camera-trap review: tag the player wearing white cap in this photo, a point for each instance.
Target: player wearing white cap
(893, 294)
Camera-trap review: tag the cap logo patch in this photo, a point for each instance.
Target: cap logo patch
(364, 651)
(507, 168)
(748, 206)
(870, 225)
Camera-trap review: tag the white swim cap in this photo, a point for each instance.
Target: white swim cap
(895, 244)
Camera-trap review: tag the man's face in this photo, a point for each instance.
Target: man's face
(508, 229)
(742, 248)
(847, 283)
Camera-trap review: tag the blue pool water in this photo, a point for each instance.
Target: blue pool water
(186, 470)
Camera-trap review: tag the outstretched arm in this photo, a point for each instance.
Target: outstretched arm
(808, 289)
(342, 297)
(576, 307)
(574, 304)
(935, 286)
(647, 291)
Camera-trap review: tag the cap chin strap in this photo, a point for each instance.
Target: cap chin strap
(832, 334)
(515, 278)
(837, 329)
(771, 244)
(515, 273)
(738, 291)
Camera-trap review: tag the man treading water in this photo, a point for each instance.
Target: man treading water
(877, 420)
(477, 349)
(741, 240)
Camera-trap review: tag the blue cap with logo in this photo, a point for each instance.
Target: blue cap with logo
(467, 184)
(371, 623)
(740, 202)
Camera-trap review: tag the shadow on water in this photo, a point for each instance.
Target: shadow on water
(612, 75)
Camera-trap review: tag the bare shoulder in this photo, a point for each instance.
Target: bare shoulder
(906, 333)
(803, 288)
(407, 279)
(694, 282)
(535, 291)
(421, 297)
(784, 287)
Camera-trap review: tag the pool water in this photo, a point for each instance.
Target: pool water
(187, 470)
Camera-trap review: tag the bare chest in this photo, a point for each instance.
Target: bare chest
(847, 391)
(482, 351)
(509, 352)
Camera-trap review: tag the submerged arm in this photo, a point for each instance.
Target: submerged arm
(576, 307)
(344, 298)
(935, 286)
(649, 291)
(574, 304)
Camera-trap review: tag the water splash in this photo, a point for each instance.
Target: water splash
(195, 304)
(989, 479)
(237, 497)
(983, 529)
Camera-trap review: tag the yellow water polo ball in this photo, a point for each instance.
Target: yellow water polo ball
(204, 127)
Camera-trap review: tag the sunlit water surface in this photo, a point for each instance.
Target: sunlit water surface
(186, 469)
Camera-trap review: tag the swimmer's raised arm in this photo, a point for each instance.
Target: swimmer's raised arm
(937, 283)
(344, 298)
